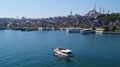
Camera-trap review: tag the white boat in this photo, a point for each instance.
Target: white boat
(87, 31)
(63, 52)
(73, 30)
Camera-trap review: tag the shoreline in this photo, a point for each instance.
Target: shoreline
(98, 31)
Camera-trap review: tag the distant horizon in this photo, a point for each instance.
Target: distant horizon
(53, 8)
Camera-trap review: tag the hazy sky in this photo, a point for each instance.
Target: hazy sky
(50, 8)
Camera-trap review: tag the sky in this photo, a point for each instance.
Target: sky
(52, 8)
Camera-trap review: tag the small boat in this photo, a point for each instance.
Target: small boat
(63, 52)
(87, 31)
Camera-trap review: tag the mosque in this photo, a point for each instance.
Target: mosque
(94, 12)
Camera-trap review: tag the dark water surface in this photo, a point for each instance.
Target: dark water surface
(35, 49)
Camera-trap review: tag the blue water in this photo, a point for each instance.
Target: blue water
(35, 49)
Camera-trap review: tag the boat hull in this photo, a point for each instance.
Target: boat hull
(57, 53)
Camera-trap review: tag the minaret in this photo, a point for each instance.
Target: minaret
(71, 13)
(108, 11)
(17, 17)
(94, 7)
(103, 10)
(100, 9)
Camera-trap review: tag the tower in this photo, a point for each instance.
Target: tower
(94, 7)
(100, 9)
(17, 17)
(108, 11)
(71, 12)
(103, 10)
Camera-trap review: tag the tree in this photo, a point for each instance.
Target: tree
(113, 28)
(93, 28)
(84, 25)
(106, 27)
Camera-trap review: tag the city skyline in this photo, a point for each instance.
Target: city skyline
(51, 8)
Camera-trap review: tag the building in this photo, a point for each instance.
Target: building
(93, 13)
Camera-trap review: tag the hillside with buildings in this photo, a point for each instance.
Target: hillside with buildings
(91, 19)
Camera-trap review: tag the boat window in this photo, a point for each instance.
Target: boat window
(64, 52)
(69, 53)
